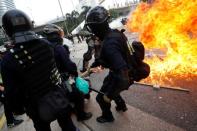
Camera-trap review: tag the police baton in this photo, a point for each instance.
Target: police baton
(99, 92)
(106, 99)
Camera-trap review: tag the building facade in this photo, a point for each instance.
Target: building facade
(6, 5)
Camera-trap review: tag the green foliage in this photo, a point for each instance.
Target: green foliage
(113, 14)
(73, 19)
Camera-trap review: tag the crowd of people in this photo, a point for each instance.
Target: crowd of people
(37, 72)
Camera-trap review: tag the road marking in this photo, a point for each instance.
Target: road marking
(2, 121)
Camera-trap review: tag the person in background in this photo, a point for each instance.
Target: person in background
(78, 37)
(70, 37)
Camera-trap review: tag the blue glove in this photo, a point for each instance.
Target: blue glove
(82, 85)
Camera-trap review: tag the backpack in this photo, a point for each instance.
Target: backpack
(134, 55)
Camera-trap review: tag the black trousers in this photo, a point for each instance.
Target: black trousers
(64, 121)
(109, 84)
(87, 57)
(77, 98)
(54, 102)
(8, 111)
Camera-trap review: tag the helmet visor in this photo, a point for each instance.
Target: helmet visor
(18, 21)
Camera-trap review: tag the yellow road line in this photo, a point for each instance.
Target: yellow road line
(2, 121)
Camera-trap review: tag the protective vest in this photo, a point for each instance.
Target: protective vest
(36, 64)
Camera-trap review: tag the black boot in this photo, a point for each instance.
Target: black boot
(122, 108)
(84, 116)
(120, 104)
(103, 119)
(14, 123)
(85, 66)
(83, 70)
(87, 96)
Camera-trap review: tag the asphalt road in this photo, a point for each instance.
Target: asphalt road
(175, 107)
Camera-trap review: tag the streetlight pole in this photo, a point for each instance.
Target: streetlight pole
(101, 1)
(63, 17)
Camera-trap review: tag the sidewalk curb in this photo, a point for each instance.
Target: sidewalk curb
(133, 119)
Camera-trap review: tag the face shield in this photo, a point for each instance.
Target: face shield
(99, 29)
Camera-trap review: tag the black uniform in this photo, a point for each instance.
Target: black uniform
(67, 68)
(11, 121)
(112, 56)
(31, 77)
(35, 82)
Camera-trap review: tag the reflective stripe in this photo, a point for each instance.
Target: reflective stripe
(38, 68)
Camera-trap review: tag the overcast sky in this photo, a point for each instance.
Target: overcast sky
(42, 11)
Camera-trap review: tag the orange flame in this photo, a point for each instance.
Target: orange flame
(168, 29)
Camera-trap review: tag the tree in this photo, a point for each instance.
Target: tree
(75, 14)
(85, 10)
(113, 14)
(68, 17)
(73, 19)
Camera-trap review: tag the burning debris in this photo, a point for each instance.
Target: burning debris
(165, 87)
(170, 27)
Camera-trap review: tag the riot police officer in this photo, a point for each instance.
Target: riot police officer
(112, 56)
(11, 120)
(67, 68)
(90, 40)
(31, 77)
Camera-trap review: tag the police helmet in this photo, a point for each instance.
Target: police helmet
(16, 21)
(97, 15)
(52, 29)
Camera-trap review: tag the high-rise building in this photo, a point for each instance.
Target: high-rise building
(6, 5)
